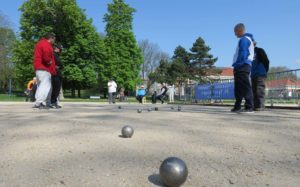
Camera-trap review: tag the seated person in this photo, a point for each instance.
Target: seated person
(162, 94)
(141, 92)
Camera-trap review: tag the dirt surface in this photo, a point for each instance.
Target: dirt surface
(80, 145)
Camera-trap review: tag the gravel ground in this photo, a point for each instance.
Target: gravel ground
(80, 145)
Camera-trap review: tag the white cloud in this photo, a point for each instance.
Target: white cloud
(298, 61)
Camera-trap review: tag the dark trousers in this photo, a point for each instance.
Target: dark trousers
(56, 85)
(161, 98)
(111, 98)
(32, 93)
(242, 87)
(258, 88)
(140, 98)
(153, 98)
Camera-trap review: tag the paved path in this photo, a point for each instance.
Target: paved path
(79, 145)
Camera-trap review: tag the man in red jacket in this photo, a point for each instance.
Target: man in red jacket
(44, 67)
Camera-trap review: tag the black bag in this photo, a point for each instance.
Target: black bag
(262, 57)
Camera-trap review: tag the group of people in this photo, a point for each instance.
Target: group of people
(251, 65)
(142, 92)
(47, 66)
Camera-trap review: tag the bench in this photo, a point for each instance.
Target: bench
(95, 97)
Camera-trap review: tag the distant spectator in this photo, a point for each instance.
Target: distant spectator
(122, 95)
(112, 88)
(31, 89)
(171, 93)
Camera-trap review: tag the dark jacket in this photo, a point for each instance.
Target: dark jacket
(260, 65)
(164, 90)
(58, 64)
(43, 57)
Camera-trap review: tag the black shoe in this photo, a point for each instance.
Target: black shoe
(46, 107)
(55, 106)
(248, 111)
(236, 110)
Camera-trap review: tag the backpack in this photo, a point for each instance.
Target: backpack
(262, 57)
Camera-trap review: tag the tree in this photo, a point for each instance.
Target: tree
(124, 56)
(84, 50)
(152, 57)
(282, 72)
(201, 62)
(194, 65)
(7, 38)
(180, 68)
(276, 69)
(162, 73)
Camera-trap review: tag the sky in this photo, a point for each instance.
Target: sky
(169, 23)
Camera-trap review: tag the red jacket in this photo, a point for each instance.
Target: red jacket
(43, 57)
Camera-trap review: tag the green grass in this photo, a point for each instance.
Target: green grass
(6, 97)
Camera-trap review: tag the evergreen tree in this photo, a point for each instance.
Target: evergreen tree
(83, 52)
(162, 74)
(201, 62)
(180, 67)
(125, 57)
(195, 65)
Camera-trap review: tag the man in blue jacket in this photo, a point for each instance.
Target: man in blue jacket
(260, 67)
(242, 62)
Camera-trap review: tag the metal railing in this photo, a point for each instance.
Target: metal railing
(282, 89)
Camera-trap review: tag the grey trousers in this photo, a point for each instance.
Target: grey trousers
(111, 98)
(258, 88)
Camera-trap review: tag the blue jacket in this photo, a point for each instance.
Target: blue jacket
(141, 92)
(258, 69)
(245, 51)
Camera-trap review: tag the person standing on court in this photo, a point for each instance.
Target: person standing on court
(260, 68)
(112, 88)
(171, 93)
(44, 66)
(242, 62)
(56, 79)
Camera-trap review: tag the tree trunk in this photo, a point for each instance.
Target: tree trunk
(78, 93)
(73, 93)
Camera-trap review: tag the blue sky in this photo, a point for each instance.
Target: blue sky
(169, 23)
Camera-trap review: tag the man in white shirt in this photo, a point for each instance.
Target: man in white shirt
(171, 93)
(112, 89)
